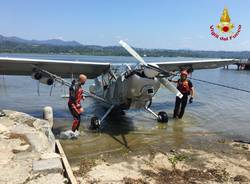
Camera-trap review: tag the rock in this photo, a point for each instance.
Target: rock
(245, 147)
(40, 142)
(7, 122)
(22, 129)
(22, 137)
(39, 124)
(236, 145)
(5, 156)
(21, 118)
(10, 146)
(44, 126)
(50, 156)
(24, 140)
(27, 156)
(241, 178)
(241, 145)
(8, 112)
(21, 148)
(49, 179)
(3, 129)
(10, 143)
(53, 165)
(2, 114)
(15, 172)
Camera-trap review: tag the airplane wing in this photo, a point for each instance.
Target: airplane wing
(195, 64)
(21, 66)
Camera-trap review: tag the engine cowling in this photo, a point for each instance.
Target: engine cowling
(151, 73)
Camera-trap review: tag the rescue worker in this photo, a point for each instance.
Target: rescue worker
(74, 103)
(185, 86)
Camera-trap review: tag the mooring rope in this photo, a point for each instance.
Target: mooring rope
(221, 85)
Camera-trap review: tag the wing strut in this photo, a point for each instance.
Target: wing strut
(66, 83)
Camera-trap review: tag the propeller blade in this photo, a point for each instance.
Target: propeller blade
(132, 52)
(170, 87)
(163, 81)
(160, 70)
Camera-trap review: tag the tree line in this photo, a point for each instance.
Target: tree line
(17, 47)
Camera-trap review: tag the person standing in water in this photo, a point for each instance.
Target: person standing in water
(74, 103)
(185, 86)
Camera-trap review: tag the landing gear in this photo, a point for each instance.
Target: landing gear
(162, 117)
(95, 123)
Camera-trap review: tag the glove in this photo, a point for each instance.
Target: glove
(191, 100)
(73, 82)
(81, 110)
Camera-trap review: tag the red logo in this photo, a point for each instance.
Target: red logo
(225, 28)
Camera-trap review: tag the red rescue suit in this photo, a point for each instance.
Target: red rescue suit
(185, 87)
(74, 104)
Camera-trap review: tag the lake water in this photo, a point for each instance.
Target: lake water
(215, 111)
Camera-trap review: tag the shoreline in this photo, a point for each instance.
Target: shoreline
(27, 155)
(206, 160)
(213, 161)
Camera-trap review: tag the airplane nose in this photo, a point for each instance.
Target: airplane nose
(147, 92)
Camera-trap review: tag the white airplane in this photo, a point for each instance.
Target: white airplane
(134, 87)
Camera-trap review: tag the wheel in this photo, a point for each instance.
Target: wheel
(123, 113)
(95, 123)
(162, 117)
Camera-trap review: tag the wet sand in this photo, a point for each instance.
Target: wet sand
(218, 161)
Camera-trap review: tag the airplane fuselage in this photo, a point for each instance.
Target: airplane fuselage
(128, 91)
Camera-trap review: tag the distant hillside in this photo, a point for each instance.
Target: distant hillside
(57, 46)
(55, 42)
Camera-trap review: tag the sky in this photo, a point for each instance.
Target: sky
(176, 24)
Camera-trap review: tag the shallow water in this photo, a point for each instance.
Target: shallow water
(216, 111)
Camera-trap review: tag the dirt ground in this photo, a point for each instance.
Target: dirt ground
(182, 166)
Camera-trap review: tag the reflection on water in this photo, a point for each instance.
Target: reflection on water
(215, 111)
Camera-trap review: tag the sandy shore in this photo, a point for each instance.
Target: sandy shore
(27, 153)
(225, 162)
(27, 156)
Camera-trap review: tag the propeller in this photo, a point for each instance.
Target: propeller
(152, 67)
(133, 52)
